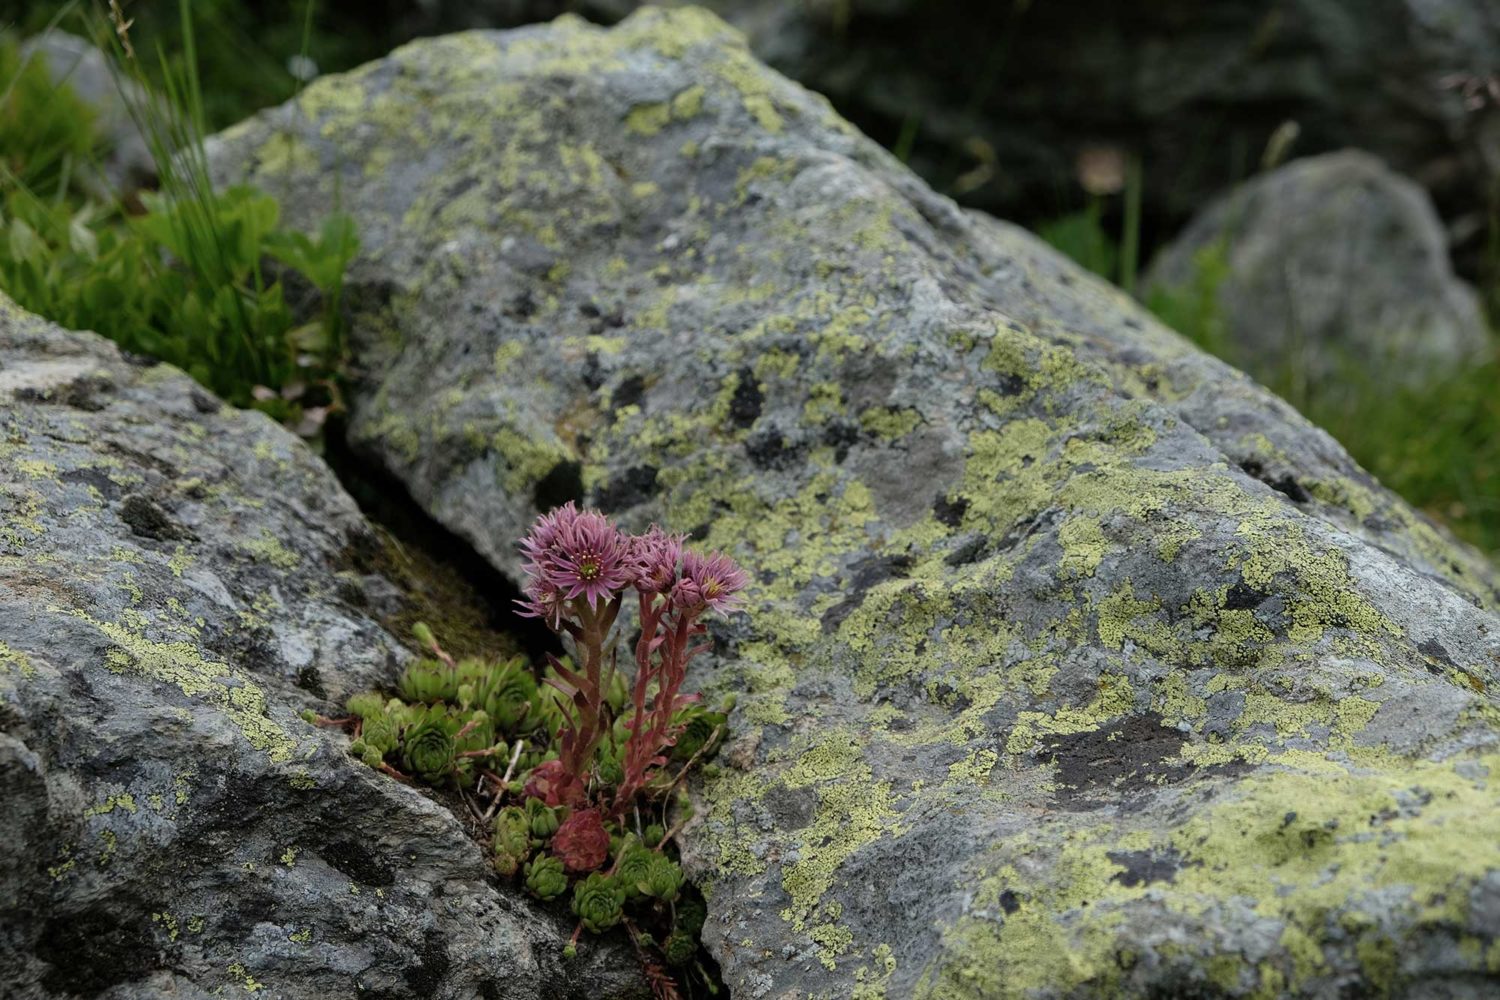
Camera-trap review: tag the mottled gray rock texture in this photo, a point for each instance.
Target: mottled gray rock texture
(1075, 664)
(177, 580)
(75, 63)
(1332, 267)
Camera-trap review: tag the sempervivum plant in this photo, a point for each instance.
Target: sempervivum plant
(574, 775)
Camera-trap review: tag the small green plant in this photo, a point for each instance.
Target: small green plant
(198, 278)
(1083, 236)
(1193, 309)
(576, 773)
(46, 133)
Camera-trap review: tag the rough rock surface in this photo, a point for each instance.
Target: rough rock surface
(1075, 664)
(74, 62)
(177, 580)
(1328, 266)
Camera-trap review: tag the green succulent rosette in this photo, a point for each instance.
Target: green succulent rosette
(634, 868)
(366, 704)
(366, 753)
(428, 749)
(512, 841)
(608, 764)
(545, 878)
(679, 948)
(663, 879)
(380, 732)
(691, 914)
(511, 694)
(700, 725)
(481, 734)
(428, 682)
(544, 820)
(652, 835)
(598, 902)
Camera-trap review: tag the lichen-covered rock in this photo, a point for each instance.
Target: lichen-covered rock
(1075, 663)
(1329, 267)
(177, 580)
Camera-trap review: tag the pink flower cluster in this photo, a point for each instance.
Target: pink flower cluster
(578, 567)
(575, 555)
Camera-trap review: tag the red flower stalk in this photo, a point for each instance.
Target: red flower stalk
(578, 566)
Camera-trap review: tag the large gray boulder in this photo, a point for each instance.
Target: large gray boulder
(1075, 664)
(177, 580)
(1331, 268)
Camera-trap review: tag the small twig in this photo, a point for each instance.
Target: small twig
(503, 783)
(473, 809)
(514, 759)
(343, 722)
(667, 837)
(713, 738)
(388, 769)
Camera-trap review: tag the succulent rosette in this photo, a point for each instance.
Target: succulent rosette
(551, 783)
(698, 727)
(428, 749)
(427, 681)
(679, 948)
(663, 879)
(512, 840)
(581, 841)
(545, 878)
(544, 819)
(634, 868)
(598, 902)
(366, 704)
(691, 915)
(510, 697)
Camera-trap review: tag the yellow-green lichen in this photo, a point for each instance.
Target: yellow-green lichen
(15, 660)
(269, 549)
(180, 664)
(1297, 847)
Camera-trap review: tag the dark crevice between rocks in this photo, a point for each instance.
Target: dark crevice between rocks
(469, 603)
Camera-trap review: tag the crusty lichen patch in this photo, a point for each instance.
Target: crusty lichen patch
(1299, 851)
(218, 684)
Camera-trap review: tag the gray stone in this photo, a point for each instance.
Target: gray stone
(1040, 690)
(169, 826)
(127, 165)
(1331, 267)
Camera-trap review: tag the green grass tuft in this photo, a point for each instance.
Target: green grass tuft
(189, 274)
